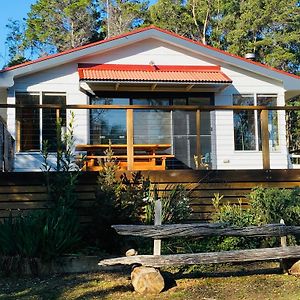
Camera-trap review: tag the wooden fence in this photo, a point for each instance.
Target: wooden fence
(27, 191)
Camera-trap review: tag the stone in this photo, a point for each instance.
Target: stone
(147, 280)
(295, 269)
(131, 252)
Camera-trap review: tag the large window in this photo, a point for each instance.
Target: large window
(108, 124)
(28, 123)
(247, 131)
(176, 129)
(152, 126)
(31, 132)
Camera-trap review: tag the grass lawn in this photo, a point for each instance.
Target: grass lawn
(232, 283)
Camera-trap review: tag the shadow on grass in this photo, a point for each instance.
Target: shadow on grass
(53, 288)
(182, 274)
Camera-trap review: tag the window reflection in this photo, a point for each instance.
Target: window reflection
(108, 124)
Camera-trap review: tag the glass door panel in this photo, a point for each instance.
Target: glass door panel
(108, 124)
(151, 126)
(185, 136)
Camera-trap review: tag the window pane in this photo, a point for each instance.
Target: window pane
(154, 102)
(49, 119)
(108, 124)
(152, 126)
(269, 100)
(28, 123)
(244, 124)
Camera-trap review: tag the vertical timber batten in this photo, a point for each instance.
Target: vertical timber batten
(129, 126)
(265, 139)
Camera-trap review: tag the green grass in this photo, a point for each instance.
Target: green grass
(233, 282)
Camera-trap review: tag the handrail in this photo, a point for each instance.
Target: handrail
(151, 107)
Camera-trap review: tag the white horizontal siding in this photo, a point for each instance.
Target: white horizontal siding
(149, 50)
(227, 157)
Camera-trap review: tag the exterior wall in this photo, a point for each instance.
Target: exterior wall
(65, 79)
(227, 157)
(149, 50)
(3, 99)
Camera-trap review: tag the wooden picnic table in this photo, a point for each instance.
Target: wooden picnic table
(149, 148)
(146, 159)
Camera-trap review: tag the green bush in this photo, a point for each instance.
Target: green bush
(266, 206)
(130, 200)
(270, 205)
(47, 234)
(175, 204)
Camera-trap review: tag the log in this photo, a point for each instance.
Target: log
(206, 258)
(147, 280)
(196, 230)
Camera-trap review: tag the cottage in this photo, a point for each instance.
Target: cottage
(161, 101)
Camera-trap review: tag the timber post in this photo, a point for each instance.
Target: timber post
(198, 139)
(157, 221)
(130, 151)
(283, 243)
(264, 115)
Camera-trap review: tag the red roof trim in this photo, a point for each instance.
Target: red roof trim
(157, 73)
(149, 68)
(142, 30)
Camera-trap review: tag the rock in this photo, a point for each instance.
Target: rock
(131, 252)
(295, 269)
(147, 280)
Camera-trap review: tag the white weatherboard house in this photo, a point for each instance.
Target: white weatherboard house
(154, 68)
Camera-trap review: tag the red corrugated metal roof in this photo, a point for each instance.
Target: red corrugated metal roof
(161, 73)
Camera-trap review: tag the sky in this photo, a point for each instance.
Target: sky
(12, 9)
(16, 10)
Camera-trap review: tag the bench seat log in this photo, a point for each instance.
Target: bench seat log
(197, 230)
(158, 261)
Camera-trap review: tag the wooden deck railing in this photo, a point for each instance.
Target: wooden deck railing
(262, 110)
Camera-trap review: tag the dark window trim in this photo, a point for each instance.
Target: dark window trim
(157, 95)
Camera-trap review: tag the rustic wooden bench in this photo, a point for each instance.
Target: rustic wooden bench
(158, 232)
(201, 230)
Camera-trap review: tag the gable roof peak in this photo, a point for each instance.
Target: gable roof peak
(235, 59)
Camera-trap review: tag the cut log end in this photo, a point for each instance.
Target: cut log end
(147, 280)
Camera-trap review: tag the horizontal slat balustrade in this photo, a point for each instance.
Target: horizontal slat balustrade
(27, 191)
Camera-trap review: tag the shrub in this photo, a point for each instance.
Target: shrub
(267, 206)
(130, 200)
(46, 234)
(270, 205)
(175, 204)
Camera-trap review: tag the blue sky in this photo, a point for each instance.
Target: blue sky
(16, 10)
(13, 9)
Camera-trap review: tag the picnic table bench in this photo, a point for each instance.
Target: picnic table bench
(145, 156)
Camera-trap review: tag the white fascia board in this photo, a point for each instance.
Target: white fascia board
(6, 80)
(289, 82)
